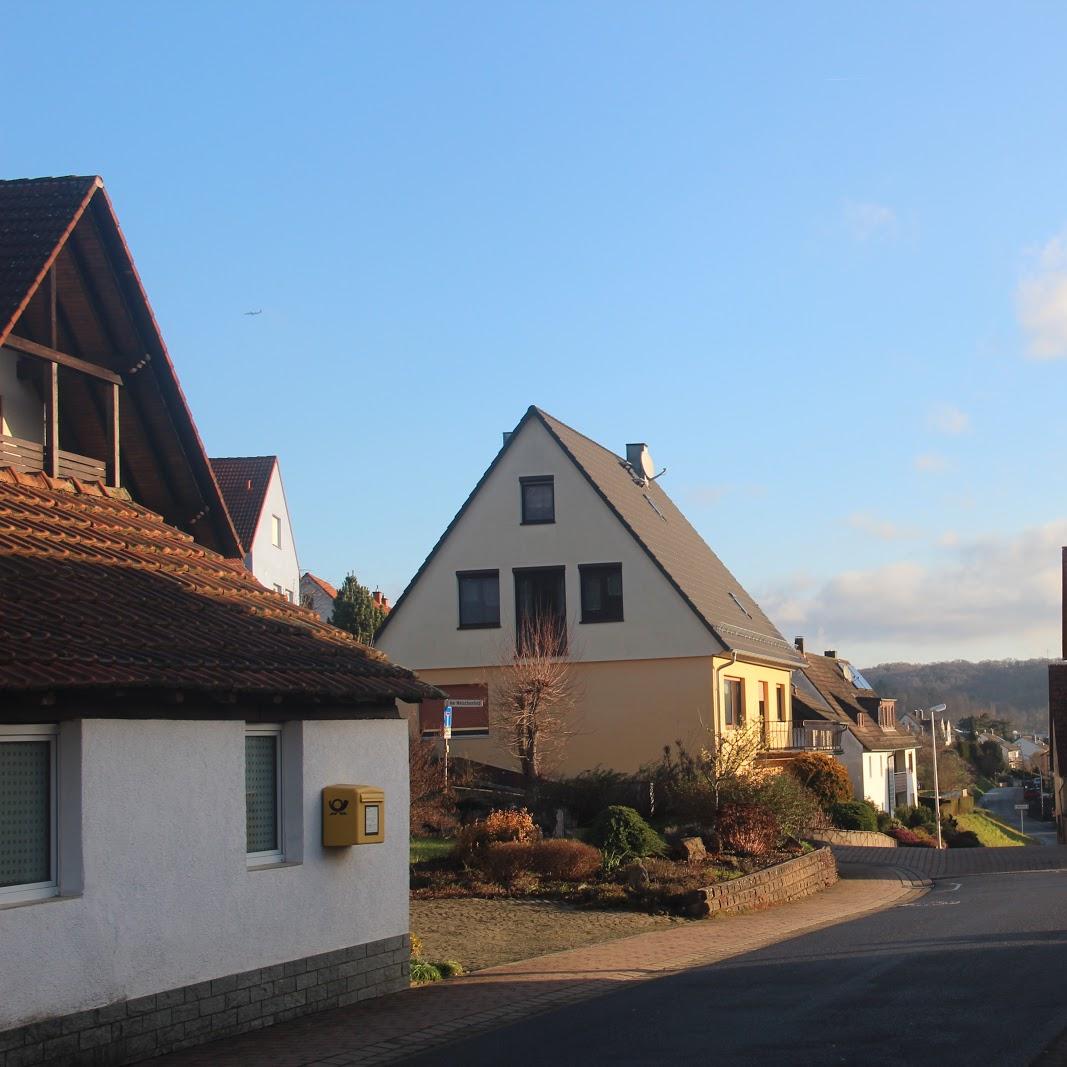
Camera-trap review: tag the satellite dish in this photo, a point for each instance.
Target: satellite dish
(648, 468)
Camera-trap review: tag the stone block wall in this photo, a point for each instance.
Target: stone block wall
(776, 885)
(132, 1030)
(868, 838)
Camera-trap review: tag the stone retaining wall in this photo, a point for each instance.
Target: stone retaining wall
(132, 1030)
(866, 838)
(776, 885)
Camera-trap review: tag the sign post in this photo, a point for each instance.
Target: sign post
(446, 733)
(1022, 809)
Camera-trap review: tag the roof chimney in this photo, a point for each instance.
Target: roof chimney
(830, 653)
(507, 435)
(798, 643)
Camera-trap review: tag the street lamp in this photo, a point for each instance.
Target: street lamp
(933, 713)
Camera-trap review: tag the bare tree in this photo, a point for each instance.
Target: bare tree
(534, 698)
(728, 760)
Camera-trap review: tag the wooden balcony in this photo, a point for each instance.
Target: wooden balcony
(29, 456)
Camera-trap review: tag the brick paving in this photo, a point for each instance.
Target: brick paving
(952, 862)
(400, 1025)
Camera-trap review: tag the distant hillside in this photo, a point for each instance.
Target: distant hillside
(1013, 689)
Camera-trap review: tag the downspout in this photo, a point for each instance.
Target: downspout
(715, 704)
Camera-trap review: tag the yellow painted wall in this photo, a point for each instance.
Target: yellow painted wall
(751, 674)
(628, 710)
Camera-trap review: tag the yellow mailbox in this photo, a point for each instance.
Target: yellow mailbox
(352, 815)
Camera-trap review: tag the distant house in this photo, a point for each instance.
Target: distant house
(665, 642)
(317, 593)
(1033, 754)
(1009, 749)
(879, 755)
(912, 724)
(167, 725)
(253, 491)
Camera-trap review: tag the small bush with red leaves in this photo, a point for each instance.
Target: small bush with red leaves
(504, 862)
(502, 825)
(912, 838)
(564, 860)
(747, 829)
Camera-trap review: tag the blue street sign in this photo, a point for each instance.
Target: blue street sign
(448, 721)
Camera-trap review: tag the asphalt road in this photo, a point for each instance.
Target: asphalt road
(1001, 803)
(971, 973)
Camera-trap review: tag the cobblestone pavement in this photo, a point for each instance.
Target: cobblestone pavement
(394, 1027)
(948, 863)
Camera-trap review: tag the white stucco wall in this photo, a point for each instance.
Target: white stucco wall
(658, 623)
(321, 601)
(23, 413)
(168, 898)
(272, 565)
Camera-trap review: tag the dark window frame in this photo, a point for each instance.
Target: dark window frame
(739, 711)
(556, 569)
(779, 700)
(539, 479)
(485, 573)
(589, 618)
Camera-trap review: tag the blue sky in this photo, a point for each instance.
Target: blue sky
(815, 256)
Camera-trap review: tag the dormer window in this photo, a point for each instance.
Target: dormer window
(538, 500)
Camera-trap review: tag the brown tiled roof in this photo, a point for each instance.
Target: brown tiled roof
(322, 584)
(838, 700)
(35, 215)
(104, 318)
(669, 539)
(97, 592)
(243, 481)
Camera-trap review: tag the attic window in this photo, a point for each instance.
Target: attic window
(740, 605)
(538, 500)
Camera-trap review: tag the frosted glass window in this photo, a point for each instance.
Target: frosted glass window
(261, 792)
(25, 812)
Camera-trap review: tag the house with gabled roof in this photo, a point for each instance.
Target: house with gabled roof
(879, 755)
(255, 497)
(318, 594)
(665, 642)
(167, 725)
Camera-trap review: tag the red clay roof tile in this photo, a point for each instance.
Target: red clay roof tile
(97, 591)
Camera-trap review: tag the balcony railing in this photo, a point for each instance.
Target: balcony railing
(802, 737)
(29, 456)
(900, 781)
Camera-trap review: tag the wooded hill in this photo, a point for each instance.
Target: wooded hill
(1012, 689)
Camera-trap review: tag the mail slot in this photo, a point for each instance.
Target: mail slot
(352, 815)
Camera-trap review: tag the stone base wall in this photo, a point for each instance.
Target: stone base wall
(132, 1030)
(867, 838)
(776, 885)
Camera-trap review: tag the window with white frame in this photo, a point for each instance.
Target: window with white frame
(263, 793)
(28, 813)
(276, 531)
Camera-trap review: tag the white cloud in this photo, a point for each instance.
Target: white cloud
(866, 220)
(882, 529)
(949, 420)
(1041, 302)
(931, 463)
(985, 596)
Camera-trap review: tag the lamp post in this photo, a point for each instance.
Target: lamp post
(933, 713)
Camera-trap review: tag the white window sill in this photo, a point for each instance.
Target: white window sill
(272, 865)
(22, 902)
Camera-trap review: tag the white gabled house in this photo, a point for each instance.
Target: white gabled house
(255, 497)
(879, 756)
(665, 642)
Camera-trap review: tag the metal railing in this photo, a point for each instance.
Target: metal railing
(801, 737)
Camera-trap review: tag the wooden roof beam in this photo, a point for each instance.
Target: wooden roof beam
(32, 348)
